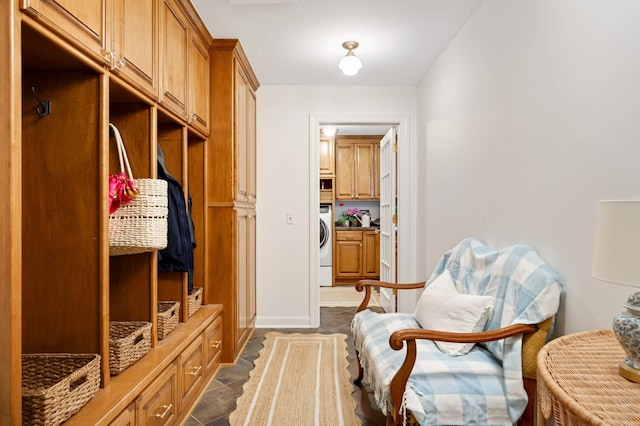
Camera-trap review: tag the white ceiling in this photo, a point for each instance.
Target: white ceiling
(291, 42)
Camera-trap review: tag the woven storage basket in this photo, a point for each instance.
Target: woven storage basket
(55, 386)
(195, 300)
(140, 225)
(128, 342)
(168, 313)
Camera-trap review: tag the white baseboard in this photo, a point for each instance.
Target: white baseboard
(283, 322)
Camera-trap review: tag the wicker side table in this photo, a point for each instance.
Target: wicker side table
(579, 384)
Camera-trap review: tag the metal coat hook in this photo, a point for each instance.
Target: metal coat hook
(44, 108)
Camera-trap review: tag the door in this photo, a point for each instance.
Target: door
(388, 225)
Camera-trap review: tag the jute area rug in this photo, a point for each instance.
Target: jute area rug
(345, 296)
(298, 379)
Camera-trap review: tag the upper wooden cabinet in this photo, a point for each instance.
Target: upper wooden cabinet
(327, 158)
(80, 21)
(232, 163)
(134, 49)
(357, 164)
(184, 64)
(376, 171)
(198, 94)
(174, 60)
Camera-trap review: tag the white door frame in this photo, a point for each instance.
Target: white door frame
(406, 188)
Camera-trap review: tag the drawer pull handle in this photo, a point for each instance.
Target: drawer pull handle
(216, 344)
(195, 371)
(167, 410)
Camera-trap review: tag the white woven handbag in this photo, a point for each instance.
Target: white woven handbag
(140, 225)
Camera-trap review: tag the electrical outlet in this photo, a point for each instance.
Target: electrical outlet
(290, 218)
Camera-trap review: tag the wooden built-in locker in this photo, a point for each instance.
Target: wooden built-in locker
(95, 63)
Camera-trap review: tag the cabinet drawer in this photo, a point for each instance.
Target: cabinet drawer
(126, 418)
(348, 235)
(190, 365)
(159, 402)
(213, 344)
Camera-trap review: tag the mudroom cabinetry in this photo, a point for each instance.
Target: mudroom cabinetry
(231, 198)
(92, 63)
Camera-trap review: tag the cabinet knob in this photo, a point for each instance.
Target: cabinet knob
(167, 410)
(108, 55)
(122, 62)
(194, 116)
(216, 344)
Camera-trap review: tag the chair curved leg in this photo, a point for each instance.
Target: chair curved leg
(358, 380)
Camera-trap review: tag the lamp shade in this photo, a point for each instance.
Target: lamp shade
(350, 64)
(617, 246)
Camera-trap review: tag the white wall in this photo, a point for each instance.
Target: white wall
(283, 288)
(528, 118)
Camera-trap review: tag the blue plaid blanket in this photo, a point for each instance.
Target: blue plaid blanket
(483, 387)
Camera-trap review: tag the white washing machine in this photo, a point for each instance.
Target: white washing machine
(325, 275)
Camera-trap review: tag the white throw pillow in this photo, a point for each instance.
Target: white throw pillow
(441, 307)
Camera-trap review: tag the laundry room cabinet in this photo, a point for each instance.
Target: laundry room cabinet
(357, 255)
(74, 67)
(231, 197)
(357, 165)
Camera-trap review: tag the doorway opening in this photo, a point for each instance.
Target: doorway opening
(327, 191)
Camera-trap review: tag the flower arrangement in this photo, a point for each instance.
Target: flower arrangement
(349, 216)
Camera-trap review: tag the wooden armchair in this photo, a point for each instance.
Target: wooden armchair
(536, 336)
(492, 310)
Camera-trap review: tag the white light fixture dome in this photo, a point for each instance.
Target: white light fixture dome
(329, 131)
(350, 64)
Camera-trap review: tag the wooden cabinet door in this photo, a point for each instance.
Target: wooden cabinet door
(371, 254)
(81, 21)
(240, 133)
(251, 145)
(158, 403)
(363, 171)
(327, 157)
(344, 171)
(198, 83)
(242, 265)
(251, 266)
(190, 371)
(213, 345)
(376, 171)
(174, 48)
(348, 259)
(135, 43)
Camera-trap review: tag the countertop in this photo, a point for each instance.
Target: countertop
(357, 228)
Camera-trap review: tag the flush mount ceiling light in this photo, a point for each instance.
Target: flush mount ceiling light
(350, 64)
(329, 131)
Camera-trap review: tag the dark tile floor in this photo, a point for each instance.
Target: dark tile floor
(219, 400)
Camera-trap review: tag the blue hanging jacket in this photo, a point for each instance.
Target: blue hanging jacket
(178, 255)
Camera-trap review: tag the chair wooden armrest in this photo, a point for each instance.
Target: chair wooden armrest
(367, 284)
(397, 339)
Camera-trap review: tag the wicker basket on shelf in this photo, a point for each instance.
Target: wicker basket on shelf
(195, 300)
(168, 313)
(55, 386)
(128, 342)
